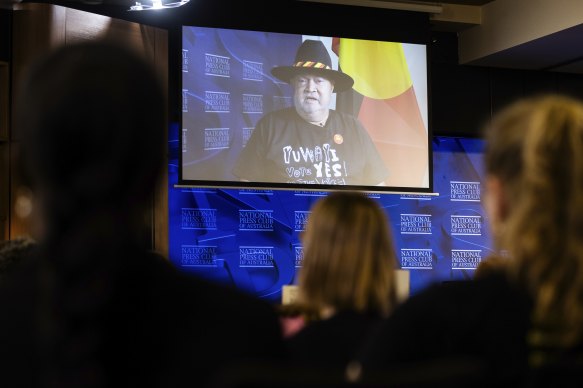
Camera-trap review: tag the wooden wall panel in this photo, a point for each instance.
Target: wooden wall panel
(41, 27)
(4, 100)
(32, 36)
(4, 192)
(161, 243)
(81, 26)
(18, 226)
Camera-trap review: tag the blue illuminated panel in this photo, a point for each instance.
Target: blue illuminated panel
(249, 238)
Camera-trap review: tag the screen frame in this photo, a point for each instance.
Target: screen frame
(175, 52)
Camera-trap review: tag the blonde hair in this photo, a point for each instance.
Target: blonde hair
(349, 256)
(535, 147)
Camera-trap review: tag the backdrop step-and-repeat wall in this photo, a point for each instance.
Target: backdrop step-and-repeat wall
(250, 238)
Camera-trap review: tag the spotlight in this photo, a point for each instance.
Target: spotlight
(157, 4)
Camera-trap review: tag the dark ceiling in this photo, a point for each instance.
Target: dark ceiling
(559, 50)
(462, 2)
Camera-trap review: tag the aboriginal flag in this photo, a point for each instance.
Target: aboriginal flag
(383, 97)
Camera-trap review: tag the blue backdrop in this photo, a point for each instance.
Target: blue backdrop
(249, 238)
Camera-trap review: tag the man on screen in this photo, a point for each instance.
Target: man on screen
(310, 143)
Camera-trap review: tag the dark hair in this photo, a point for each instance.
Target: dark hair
(92, 118)
(92, 121)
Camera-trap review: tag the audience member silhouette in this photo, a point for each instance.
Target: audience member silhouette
(347, 278)
(95, 308)
(531, 315)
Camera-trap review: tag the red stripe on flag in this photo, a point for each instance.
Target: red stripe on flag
(398, 131)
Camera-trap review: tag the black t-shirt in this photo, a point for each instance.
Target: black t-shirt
(285, 148)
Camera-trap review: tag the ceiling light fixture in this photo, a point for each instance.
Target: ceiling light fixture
(157, 4)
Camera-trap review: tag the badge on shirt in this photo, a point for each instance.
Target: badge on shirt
(338, 139)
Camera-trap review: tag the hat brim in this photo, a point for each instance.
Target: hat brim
(342, 81)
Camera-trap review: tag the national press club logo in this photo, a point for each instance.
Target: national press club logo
(192, 218)
(216, 138)
(246, 134)
(415, 223)
(217, 102)
(217, 65)
(300, 220)
(256, 220)
(184, 140)
(185, 60)
(255, 256)
(252, 103)
(309, 193)
(466, 225)
(281, 102)
(465, 258)
(299, 256)
(416, 258)
(185, 100)
(255, 192)
(464, 191)
(417, 197)
(198, 256)
(252, 71)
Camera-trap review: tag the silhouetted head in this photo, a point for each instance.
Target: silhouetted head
(534, 197)
(349, 256)
(92, 118)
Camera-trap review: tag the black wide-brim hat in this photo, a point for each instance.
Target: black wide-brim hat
(313, 58)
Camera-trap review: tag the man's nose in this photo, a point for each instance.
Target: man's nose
(311, 85)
